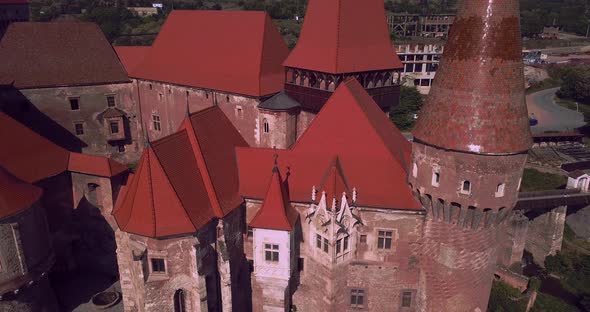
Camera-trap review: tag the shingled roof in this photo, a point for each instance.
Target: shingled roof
(31, 157)
(233, 51)
(36, 55)
(372, 154)
(344, 36)
(183, 180)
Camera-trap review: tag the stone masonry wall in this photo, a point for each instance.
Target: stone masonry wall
(545, 234)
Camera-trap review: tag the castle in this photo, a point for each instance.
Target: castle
(274, 181)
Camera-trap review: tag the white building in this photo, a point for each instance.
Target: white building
(420, 64)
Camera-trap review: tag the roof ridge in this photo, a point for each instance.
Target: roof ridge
(205, 173)
(338, 12)
(172, 185)
(259, 67)
(150, 189)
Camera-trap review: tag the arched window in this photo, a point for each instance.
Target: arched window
(466, 187)
(179, 301)
(265, 126)
(435, 179)
(500, 190)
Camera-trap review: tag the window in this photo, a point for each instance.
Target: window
(406, 299)
(342, 245)
(466, 187)
(357, 298)
(384, 239)
(326, 245)
(160, 96)
(500, 190)
(250, 231)
(363, 239)
(318, 241)
(179, 305)
(266, 127)
(114, 127)
(121, 148)
(206, 95)
(418, 68)
(151, 87)
(435, 179)
(271, 252)
(300, 264)
(156, 122)
(75, 104)
(239, 112)
(158, 265)
(227, 98)
(79, 127)
(110, 101)
(169, 91)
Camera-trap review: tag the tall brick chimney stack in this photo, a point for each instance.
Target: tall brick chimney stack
(470, 147)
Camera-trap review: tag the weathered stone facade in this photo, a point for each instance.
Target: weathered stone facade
(79, 118)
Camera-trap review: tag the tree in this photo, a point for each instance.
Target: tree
(576, 84)
(410, 103)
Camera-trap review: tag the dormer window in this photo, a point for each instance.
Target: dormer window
(466, 187)
(500, 190)
(436, 179)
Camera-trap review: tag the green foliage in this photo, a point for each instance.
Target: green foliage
(289, 29)
(576, 84)
(534, 180)
(559, 264)
(542, 85)
(505, 298)
(548, 303)
(285, 9)
(132, 166)
(534, 283)
(415, 7)
(410, 103)
(570, 15)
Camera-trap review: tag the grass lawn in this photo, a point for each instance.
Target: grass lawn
(543, 85)
(534, 180)
(548, 303)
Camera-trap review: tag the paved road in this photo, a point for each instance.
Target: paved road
(550, 115)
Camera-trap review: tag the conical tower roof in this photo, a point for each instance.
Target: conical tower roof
(16, 195)
(477, 101)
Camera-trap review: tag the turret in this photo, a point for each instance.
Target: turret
(470, 147)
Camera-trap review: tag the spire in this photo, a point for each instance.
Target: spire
(477, 102)
(276, 212)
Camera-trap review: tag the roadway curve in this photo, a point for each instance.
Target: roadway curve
(551, 116)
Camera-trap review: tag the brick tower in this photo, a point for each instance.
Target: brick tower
(468, 154)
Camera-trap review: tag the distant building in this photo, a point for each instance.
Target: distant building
(13, 11)
(416, 25)
(550, 32)
(143, 11)
(420, 64)
(65, 81)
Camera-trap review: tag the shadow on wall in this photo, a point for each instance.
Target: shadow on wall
(86, 257)
(17, 106)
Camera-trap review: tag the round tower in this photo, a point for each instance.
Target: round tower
(470, 147)
(26, 255)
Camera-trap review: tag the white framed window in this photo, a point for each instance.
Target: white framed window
(500, 190)
(156, 122)
(158, 265)
(384, 239)
(466, 187)
(436, 178)
(271, 252)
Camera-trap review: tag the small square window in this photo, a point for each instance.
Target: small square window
(158, 265)
(114, 127)
(271, 252)
(357, 298)
(363, 239)
(406, 299)
(79, 128)
(75, 104)
(466, 187)
(111, 101)
(384, 239)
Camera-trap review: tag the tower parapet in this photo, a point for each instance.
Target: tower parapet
(469, 151)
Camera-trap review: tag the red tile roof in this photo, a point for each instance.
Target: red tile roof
(31, 157)
(184, 180)
(58, 54)
(334, 182)
(95, 165)
(372, 153)
(477, 101)
(233, 51)
(344, 36)
(276, 212)
(131, 56)
(16, 195)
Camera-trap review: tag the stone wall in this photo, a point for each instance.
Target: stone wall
(545, 234)
(48, 111)
(513, 237)
(282, 129)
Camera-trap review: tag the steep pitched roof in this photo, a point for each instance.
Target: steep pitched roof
(233, 51)
(371, 151)
(38, 55)
(16, 195)
(31, 157)
(279, 102)
(344, 36)
(334, 182)
(131, 56)
(276, 212)
(184, 180)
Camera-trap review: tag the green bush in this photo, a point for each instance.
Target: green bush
(505, 298)
(410, 103)
(534, 180)
(548, 303)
